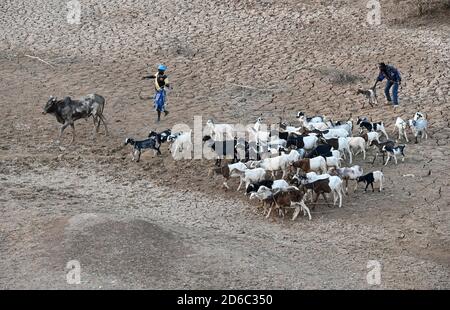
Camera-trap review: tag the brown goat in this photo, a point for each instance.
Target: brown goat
(317, 163)
(302, 164)
(289, 198)
(334, 142)
(319, 187)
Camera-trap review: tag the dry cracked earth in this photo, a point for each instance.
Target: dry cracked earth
(163, 224)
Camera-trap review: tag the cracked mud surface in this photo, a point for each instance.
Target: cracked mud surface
(165, 224)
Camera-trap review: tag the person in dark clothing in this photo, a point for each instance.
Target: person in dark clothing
(161, 82)
(392, 75)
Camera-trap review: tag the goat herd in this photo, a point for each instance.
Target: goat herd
(309, 156)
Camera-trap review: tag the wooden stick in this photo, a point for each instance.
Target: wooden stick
(255, 88)
(34, 57)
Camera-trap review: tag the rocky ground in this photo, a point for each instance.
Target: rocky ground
(162, 223)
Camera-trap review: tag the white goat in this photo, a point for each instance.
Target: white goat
(315, 119)
(371, 136)
(219, 130)
(348, 174)
(335, 133)
(335, 183)
(261, 137)
(337, 154)
(357, 144)
(180, 145)
(278, 163)
(310, 142)
(251, 176)
(333, 161)
(348, 126)
(317, 163)
(419, 127)
(258, 123)
(234, 170)
(344, 147)
(314, 126)
(401, 127)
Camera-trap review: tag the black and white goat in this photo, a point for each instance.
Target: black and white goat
(277, 184)
(138, 146)
(160, 137)
(394, 151)
(223, 149)
(419, 115)
(364, 123)
(380, 146)
(372, 177)
(314, 119)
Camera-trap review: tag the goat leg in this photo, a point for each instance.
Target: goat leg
(374, 158)
(240, 184)
(270, 211)
(305, 208)
(138, 155)
(326, 200)
(388, 157)
(296, 212)
(226, 185)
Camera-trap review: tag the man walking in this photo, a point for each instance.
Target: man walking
(161, 82)
(394, 80)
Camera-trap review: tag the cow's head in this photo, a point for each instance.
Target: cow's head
(50, 105)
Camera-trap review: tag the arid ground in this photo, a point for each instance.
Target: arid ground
(164, 224)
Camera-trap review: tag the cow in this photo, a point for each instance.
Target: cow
(67, 111)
